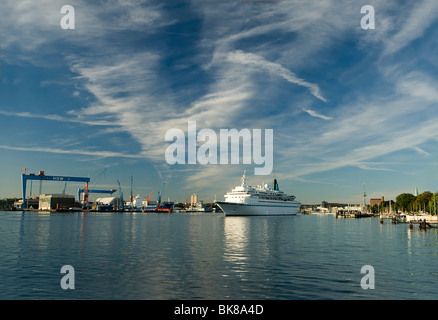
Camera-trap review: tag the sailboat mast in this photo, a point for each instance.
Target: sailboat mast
(364, 197)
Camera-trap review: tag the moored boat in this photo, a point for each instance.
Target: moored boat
(245, 200)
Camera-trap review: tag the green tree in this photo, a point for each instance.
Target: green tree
(404, 201)
(421, 203)
(433, 204)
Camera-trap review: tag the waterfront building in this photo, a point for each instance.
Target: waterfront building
(56, 201)
(31, 203)
(377, 201)
(193, 199)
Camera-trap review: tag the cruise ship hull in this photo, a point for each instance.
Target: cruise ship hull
(241, 209)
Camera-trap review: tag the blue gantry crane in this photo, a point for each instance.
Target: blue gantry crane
(81, 191)
(42, 177)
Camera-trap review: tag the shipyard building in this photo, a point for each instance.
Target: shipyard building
(56, 201)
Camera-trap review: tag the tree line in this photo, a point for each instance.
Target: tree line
(407, 202)
(7, 204)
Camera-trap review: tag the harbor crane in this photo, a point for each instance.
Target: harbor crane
(131, 197)
(149, 198)
(121, 195)
(121, 192)
(42, 177)
(81, 191)
(160, 194)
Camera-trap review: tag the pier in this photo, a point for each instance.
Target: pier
(423, 221)
(352, 214)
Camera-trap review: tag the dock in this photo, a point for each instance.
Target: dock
(424, 221)
(352, 214)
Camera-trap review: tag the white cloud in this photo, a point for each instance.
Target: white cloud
(55, 117)
(260, 63)
(316, 114)
(412, 26)
(371, 131)
(417, 84)
(29, 27)
(102, 154)
(421, 151)
(237, 42)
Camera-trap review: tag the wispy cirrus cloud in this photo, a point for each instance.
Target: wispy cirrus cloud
(144, 67)
(420, 151)
(38, 25)
(124, 92)
(56, 117)
(412, 26)
(274, 68)
(316, 114)
(368, 131)
(94, 153)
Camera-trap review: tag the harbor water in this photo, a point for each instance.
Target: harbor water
(210, 256)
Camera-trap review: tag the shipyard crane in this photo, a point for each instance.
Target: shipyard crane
(131, 198)
(41, 176)
(81, 191)
(149, 198)
(121, 192)
(158, 207)
(160, 194)
(120, 196)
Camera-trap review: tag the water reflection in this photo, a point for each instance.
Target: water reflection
(34, 228)
(136, 256)
(257, 254)
(251, 237)
(236, 239)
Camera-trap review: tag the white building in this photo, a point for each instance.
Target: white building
(56, 201)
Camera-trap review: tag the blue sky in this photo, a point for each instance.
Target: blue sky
(348, 106)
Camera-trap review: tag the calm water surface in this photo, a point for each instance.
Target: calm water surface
(209, 256)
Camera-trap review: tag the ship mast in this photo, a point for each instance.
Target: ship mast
(243, 179)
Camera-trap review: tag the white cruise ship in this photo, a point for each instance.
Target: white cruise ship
(245, 200)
